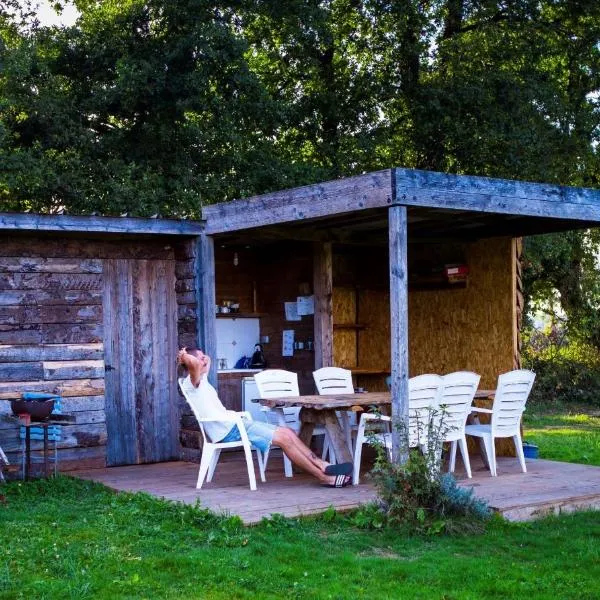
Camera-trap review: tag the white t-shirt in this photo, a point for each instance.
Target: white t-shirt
(206, 404)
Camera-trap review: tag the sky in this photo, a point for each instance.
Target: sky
(48, 16)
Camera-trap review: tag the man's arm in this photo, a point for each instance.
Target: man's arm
(195, 367)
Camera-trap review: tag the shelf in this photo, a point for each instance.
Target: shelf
(356, 326)
(361, 371)
(239, 315)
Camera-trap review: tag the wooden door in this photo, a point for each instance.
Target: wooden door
(140, 347)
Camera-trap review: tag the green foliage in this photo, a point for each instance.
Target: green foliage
(67, 538)
(415, 494)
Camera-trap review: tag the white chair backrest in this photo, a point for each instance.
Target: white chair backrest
(195, 408)
(278, 383)
(333, 380)
(509, 402)
(457, 397)
(424, 393)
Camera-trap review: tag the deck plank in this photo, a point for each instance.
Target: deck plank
(547, 487)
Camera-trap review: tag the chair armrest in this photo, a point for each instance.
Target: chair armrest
(245, 414)
(481, 410)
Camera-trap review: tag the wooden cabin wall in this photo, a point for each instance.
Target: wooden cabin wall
(264, 278)
(472, 328)
(51, 330)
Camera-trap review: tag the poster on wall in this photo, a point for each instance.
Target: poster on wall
(287, 346)
(291, 311)
(306, 305)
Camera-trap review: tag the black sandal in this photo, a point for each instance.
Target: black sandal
(340, 481)
(339, 469)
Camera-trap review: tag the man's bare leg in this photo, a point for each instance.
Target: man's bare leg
(300, 454)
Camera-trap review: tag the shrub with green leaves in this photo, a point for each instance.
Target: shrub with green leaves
(416, 494)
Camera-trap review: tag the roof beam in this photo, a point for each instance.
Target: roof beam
(309, 202)
(94, 224)
(483, 194)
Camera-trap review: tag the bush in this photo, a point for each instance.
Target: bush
(566, 371)
(416, 495)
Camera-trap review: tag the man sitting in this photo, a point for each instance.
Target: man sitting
(260, 434)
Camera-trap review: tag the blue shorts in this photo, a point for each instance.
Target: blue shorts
(259, 433)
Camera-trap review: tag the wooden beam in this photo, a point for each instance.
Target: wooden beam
(93, 224)
(323, 291)
(206, 325)
(483, 194)
(398, 234)
(309, 202)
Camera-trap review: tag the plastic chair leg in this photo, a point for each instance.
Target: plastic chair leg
(519, 450)
(464, 451)
(207, 454)
(260, 459)
(490, 451)
(213, 464)
(452, 464)
(357, 457)
(250, 465)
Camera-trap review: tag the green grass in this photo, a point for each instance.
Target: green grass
(70, 539)
(563, 434)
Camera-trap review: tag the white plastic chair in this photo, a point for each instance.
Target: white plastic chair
(212, 450)
(424, 392)
(278, 383)
(335, 380)
(509, 404)
(3, 463)
(455, 403)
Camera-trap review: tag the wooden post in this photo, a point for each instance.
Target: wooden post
(205, 302)
(399, 329)
(323, 291)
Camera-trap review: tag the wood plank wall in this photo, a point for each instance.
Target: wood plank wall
(51, 329)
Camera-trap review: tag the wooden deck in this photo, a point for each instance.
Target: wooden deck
(547, 487)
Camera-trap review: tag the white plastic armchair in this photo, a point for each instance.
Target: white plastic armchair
(455, 403)
(335, 380)
(424, 392)
(511, 396)
(212, 450)
(278, 383)
(3, 462)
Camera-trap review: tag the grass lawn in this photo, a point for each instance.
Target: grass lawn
(71, 539)
(564, 434)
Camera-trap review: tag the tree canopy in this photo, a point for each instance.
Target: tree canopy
(160, 106)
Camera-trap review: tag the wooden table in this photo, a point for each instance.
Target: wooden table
(321, 410)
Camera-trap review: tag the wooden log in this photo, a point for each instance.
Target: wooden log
(72, 436)
(30, 371)
(50, 281)
(45, 297)
(16, 315)
(185, 285)
(95, 224)
(73, 369)
(502, 196)
(330, 198)
(398, 241)
(20, 334)
(71, 314)
(187, 312)
(15, 353)
(71, 334)
(323, 293)
(76, 404)
(205, 292)
(59, 247)
(49, 265)
(186, 298)
(69, 388)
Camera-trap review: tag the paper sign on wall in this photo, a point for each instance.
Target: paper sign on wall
(306, 305)
(291, 311)
(287, 346)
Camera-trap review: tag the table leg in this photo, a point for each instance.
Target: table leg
(337, 437)
(27, 452)
(45, 428)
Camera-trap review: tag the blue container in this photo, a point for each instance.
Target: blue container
(530, 450)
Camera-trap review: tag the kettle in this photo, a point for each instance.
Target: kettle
(258, 358)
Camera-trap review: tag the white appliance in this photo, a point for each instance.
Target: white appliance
(249, 392)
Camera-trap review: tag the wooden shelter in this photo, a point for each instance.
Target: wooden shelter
(94, 308)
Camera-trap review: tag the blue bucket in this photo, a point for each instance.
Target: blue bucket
(530, 450)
